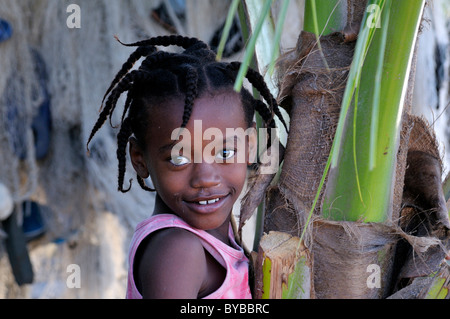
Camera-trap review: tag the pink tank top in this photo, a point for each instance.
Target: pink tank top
(233, 259)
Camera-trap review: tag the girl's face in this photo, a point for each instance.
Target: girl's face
(203, 178)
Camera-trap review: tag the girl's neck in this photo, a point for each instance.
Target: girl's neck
(221, 232)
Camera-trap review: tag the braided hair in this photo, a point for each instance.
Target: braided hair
(164, 75)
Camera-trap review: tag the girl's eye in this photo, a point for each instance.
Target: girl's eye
(226, 154)
(179, 160)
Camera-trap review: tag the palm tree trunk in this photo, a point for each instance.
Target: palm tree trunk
(353, 254)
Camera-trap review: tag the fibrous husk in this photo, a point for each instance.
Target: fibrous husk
(258, 182)
(411, 244)
(435, 285)
(424, 212)
(419, 240)
(311, 91)
(349, 255)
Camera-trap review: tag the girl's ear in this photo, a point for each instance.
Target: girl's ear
(252, 145)
(137, 158)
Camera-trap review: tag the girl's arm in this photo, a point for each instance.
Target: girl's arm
(172, 265)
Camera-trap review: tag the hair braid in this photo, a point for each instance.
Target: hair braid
(267, 117)
(135, 56)
(191, 94)
(258, 82)
(126, 84)
(155, 59)
(142, 184)
(112, 99)
(140, 76)
(178, 40)
(128, 102)
(122, 141)
(265, 113)
(122, 86)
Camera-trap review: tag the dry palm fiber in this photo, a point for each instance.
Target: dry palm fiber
(341, 251)
(312, 94)
(424, 212)
(432, 285)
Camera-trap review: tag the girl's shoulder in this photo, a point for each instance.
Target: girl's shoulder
(172, 238)
(165, 233)
(160, 257)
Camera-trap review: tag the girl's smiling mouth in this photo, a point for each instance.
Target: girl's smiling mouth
(206, 205)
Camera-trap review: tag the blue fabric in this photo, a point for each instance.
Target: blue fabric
(33, 222)
(41, 124)
(5, 30)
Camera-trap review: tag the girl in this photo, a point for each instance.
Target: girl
(186, 249)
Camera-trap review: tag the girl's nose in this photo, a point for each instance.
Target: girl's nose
(204, 175)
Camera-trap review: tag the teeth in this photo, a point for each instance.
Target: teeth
(211, 201)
